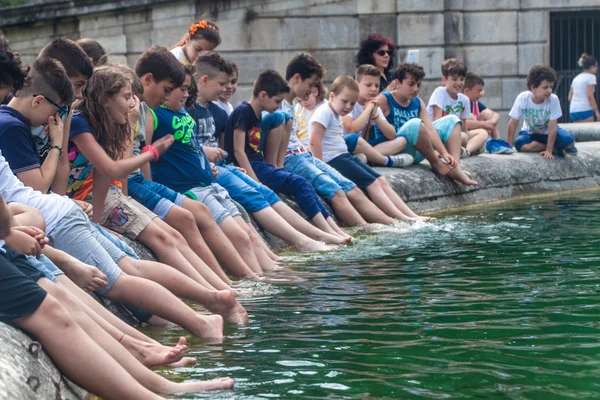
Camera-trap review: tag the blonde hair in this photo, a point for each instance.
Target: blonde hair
(343, 82)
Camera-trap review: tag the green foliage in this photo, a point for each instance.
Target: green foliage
(10, 3)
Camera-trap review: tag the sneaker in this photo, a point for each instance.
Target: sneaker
(478, 151)
(401, 160)
(559, 152)
(464, 153)
(508, 148)
(361, 157)
(495, 147)
(572, 150)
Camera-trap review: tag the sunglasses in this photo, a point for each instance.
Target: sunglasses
(62, 110)
(384, 52)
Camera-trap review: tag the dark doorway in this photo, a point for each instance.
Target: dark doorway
(572, 33)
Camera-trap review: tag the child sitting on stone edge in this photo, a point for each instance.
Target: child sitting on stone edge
(448, 99)
(405, 110)
(541, 110)
(483, 117)
(326, 142)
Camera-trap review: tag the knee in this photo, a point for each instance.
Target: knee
(183, 217)
(53, 309)
(241, 236)
(162, 237)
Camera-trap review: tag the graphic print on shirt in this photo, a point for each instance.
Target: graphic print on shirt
(456, 110)
(80, 177)
(206, 131)
(254, 135)
(403, 116)
(183, 128)
(537, 119)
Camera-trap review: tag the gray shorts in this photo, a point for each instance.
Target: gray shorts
(45, 266)
(243, 213)
(217, 199)
(75, 235)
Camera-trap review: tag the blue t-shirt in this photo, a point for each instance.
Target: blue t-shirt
(245, 118)
(184, 166)
(205, 124)
(399, 115)
(16, 141)
(220, 117)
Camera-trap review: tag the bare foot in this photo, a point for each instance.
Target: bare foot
(211, 327)
(184, 362)
(460, 176)
(194, 387)
(313, 246)
(440, 167)
(225, 304)
(153, 354)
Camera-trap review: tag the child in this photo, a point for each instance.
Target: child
(69, 228)
(349, 202)
(483, 117)
(95, 51)
(448, 99)
(405, 110)
(202, 36)
(583, 105)
(229, 90)
(12, 75)
(541, 110)
(245, 141)
(101, 134)
(258, 199)
(185, 169)
(326, 143)
(367, 114)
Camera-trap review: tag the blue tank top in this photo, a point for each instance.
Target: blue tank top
(184, 166)
(399, 115)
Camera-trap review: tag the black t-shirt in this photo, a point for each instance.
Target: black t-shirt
(245, 118)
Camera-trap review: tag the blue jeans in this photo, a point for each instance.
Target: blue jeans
(282, 181)
(355, 170)
(154, 196)
(326, 180)
(45, 266)
(563, 139)
(252, 195)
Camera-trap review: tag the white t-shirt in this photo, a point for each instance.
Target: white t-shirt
(52, 206)
(288, 108)
(536, 116)
(333, 140)
(227, 107)
(302, 118)
(1, 246)
(180, 55)
(580, 84)
(461, 106)
(357, 111)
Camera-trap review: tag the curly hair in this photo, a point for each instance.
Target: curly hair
(193, 89)
(538, 74)
(12, 72)
(370, 46)
(106, 82)
(305, 65)
(414, 70)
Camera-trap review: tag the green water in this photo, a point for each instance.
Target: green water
(492, 303)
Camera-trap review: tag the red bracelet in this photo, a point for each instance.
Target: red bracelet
(152, 149)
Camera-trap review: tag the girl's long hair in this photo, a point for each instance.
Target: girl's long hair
(106, 82)
(203, 29)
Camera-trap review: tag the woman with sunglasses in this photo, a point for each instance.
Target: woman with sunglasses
(379, 51)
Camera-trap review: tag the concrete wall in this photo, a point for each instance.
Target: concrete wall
(500, 39)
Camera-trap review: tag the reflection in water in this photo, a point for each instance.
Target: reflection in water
(497, 303)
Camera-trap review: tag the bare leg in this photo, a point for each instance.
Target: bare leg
(381, 199)
(27, 216)
(453, 146)
(243, 244)
(219, 302)
(303, 226)
(321, 223)
(533, 147)
(346, 211)
(425, 147)
(367, 208)
(78, 356)
(273, 143)
(393, 196)
(266, 263)
(183, 221)
(339, 231)
(285, 140)
(154, 298)
(211, 280)
(218, 242)
(373, 155)
(477, 139)
(391, 147)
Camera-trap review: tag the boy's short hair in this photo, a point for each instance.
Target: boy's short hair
(211, 64)
(472, 79)
(305, 65)
(538, 74)
(48, 77)
(11, 71)
(406, 69)
(75, 61)
(162, 64)
(453, 67)
(343, 82)
(367, 70)
(234, 69)
(270, 82)
(94, 50)
(136, 84)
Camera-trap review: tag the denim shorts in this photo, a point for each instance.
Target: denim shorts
(326, 180)
(252, 195)
(351, 141)
(581, 115)
(154, 196)
(75, 235)
(117, 241)
(45, 266)
(563, 139)
(216, 199)
(355, 170)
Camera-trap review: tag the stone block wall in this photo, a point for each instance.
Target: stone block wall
(500, 39)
